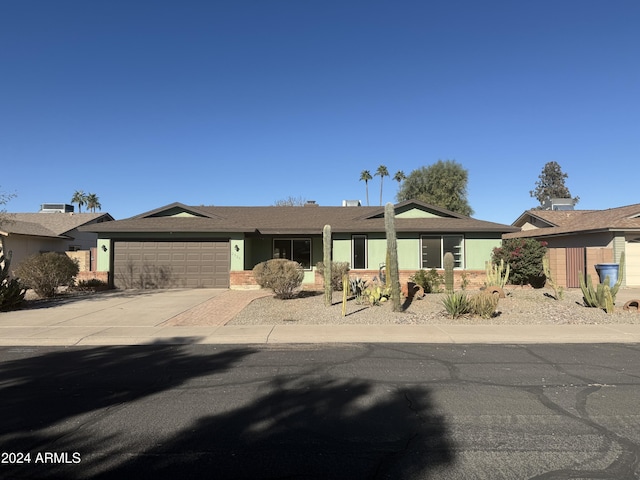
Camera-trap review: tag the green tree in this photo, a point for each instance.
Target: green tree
(550, 184)
(93, 202)
(80, 198)
(365, 176)
(443, 184)
(382, 172)
(524, 256)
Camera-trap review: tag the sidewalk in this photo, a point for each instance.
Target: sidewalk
(167, 317)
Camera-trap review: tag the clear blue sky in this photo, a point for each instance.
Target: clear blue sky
(247, 102)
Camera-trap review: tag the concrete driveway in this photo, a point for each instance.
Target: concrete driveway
(188, 316)
(124, 317)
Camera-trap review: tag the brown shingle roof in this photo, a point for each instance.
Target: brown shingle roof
(582, 221)
(295, 220)
(47, 224)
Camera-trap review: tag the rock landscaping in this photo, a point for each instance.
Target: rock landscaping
(521, 306)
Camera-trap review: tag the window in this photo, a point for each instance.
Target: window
(359, 251)
(434, 248)
(296, 249)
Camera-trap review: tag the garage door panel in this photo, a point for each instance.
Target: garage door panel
(171, 264)
(632, 263)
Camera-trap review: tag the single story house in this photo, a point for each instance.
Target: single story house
(197, 246)
(24, 234)
(580, 239)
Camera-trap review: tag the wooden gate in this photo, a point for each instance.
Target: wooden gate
(575, 265)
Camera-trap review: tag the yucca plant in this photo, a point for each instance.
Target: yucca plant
(456, 304)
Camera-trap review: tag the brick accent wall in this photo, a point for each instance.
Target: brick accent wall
(239, 280)
(558, 265)
(103, 276)
(475, 278)
(597, 255)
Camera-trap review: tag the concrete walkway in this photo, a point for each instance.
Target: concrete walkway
(169, 317)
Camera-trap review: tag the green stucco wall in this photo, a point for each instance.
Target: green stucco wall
(415, 213)
(478, 251)
(253, 250)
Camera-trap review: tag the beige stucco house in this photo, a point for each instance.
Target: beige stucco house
(580, 239)
(24, 234)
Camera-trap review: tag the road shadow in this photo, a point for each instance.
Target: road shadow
(307, 429)
(305, 425)
(40, 391)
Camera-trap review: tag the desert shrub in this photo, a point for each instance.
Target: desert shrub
(456, 304)
(430, 281)
(11, 294)
(524, 256)
(45, 272)
(338, 271)
(91, 285)
(282, 276)
(483, 304)
(11, 289)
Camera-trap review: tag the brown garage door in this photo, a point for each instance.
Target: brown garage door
(151, 264)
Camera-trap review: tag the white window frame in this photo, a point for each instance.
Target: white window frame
(460, 261)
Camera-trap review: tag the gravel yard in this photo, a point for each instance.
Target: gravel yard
(522, 306)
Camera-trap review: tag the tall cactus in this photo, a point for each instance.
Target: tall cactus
(326, 259)
(497, 275)
(601, 296)
(393, 272)
(449, 262)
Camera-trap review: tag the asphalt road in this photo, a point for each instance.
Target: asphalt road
(321, 412)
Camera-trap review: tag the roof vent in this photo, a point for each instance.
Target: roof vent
(351, 203)
(311, 203)
(56, 208)
(559, 204)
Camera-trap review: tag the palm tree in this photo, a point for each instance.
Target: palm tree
(93, 202)
(366, 176)
(383, 172)
(399, 177)
(80, 198)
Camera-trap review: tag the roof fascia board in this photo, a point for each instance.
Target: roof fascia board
(531, 213)
(418, 203)
(178, 205)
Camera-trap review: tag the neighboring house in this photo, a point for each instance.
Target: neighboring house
(24, 234)
(580, 239)
(186, 246)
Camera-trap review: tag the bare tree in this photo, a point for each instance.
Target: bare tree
(290, 202)
(4, 216)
